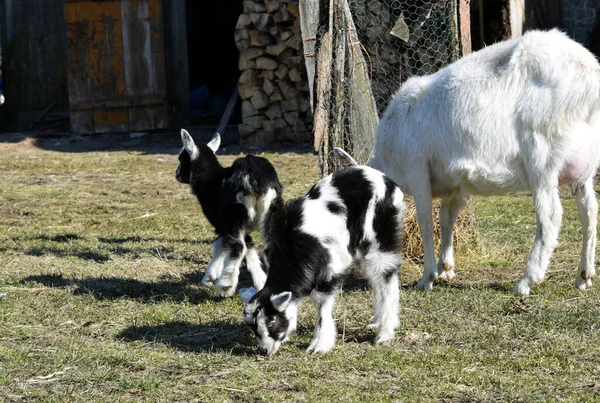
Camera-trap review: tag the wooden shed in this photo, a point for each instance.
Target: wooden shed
(109, 66)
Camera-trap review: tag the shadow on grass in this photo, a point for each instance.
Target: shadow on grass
(69, 245)
(192, 337)
(110, 288)
(159, 142)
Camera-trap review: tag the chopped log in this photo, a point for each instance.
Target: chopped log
(274, 111)
(243, 45)
(248, 109)
(276, 96)
(266, 74)
(245, 63)
(286, 34)
(259, 99)
(240, 34)
(294, 42)
(291, 117)
(282, 15)
(272, 5)
(243, 21)
(294, 9)
(276, 49)
(254, 7)
(289, 105)
(246, 90)
(275, 31)
(260, 20)
(268, 87)
(248, 76)
(294, 75)
(260, 39)
(292, 61)
(264, 62)
(252, 53)
(281, 71)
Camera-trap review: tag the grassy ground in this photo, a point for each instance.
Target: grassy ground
(101, 253)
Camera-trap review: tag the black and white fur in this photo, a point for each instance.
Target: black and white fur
(234, 200)
(352, 216)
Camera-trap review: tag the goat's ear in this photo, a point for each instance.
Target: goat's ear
(345, 159)
(188, 142)
(215, 142)
(281, 301)
(246, 294)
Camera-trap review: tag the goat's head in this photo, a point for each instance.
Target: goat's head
(272, 317)
(190, 153)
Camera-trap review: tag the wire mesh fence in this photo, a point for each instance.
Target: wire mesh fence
(365, 50)
(403, 39)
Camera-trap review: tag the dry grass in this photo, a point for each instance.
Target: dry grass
(101, 252)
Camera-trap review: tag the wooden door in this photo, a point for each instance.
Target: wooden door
(116, 64)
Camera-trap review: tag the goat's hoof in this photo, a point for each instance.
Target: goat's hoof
(319, 347)
(425, 285)
(522, 287)
(224, 292)
(384, 337)
(207, 282)
(583, 284)
(447, 274)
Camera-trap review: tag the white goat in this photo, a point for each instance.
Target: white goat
(517, 115)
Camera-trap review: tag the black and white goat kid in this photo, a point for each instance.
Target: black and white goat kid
(234, 200)
(353, 215)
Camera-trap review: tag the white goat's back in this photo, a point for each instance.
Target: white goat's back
(479, 123)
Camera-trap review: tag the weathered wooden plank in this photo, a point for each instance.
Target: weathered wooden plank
(118, 66)
(111, 121)
(464, 26)
(34, 70)
(176, 74)
(309, 26)
(141, 119)
(137, 51)
(82, 122)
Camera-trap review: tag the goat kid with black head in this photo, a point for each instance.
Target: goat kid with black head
(352, 216)
(234, 200)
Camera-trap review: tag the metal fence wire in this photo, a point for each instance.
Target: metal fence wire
(374, 46)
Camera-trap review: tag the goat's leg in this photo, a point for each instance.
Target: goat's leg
(548, 214)
(423, 203)
(253, 264)
(227, 282)
(381, 269)
(449, 211)
(324, 337)
(213, 271)
(588, 212)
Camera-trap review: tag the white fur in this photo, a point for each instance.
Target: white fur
(518, 115)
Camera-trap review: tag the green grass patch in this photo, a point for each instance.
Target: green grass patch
(102, 252)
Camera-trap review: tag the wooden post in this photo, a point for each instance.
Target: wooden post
(464, 26)
(309, 25)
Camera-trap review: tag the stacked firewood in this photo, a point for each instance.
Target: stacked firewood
(273, 85)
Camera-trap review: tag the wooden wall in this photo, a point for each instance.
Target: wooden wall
(117, 77)
(34, 48)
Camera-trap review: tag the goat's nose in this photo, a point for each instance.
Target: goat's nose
(263, 351)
